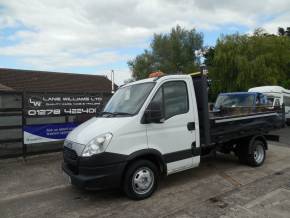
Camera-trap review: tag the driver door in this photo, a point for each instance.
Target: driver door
(175, 135)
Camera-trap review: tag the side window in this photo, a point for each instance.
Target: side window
(171, 98)
(175, 98)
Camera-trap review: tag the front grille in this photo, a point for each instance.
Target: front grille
(69, 154)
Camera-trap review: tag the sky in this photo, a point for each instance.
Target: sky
(95, 37)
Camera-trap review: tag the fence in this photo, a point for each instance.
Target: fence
(37, 122)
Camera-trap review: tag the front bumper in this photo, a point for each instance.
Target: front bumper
(96, 178)
(99, 171)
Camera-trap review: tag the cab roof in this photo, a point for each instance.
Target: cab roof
(157, 79)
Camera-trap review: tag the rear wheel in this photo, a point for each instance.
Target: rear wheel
(257, 153)
(253, 154)
(141, 179)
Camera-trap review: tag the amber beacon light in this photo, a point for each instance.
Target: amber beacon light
(156, 74)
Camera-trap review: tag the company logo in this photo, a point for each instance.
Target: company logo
(35, 102)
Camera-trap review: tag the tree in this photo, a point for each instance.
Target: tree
(284, 32)
(281, 31)
(170, 53)
(288, 31)
(209, 57)
(240, 62)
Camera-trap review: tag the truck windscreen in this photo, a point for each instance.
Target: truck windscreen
(128, 100)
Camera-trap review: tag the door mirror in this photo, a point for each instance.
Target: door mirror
(211, 107)
(153, 113)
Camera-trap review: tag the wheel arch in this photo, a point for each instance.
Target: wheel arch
(148, 154)
(261, 138)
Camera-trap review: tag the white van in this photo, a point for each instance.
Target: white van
(277, 95)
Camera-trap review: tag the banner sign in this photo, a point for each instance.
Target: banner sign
(47, 132)
(48, 104)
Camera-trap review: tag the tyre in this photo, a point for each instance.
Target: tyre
(257, 153)
(253, 154)
(140, 179)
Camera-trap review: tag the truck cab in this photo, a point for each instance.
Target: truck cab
(154, 120)
(153, 128)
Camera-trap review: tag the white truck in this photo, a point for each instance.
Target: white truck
(156, 127)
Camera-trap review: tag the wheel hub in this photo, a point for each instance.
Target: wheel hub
(259, 154)
(143, 180)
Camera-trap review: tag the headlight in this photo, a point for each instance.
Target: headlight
(97, 145)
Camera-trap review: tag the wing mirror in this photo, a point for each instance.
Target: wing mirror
(211, 107)
(153, 113)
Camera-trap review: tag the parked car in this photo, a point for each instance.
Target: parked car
(232, 103)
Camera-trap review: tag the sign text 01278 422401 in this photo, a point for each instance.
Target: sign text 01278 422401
(47, 104)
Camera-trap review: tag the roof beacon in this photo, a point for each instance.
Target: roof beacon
(156, 74)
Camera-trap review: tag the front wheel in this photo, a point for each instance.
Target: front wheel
(140, 180)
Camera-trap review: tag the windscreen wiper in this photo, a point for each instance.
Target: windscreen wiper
(122, 113)
(115, 113)
(105, 112)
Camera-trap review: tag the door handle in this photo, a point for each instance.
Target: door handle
(191, 126)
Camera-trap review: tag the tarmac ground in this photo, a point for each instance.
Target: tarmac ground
(220, 187)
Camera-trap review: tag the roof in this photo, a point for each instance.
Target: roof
(140, 81)
(5, 88)
(42, 81)
(157, 79)
(265, 89)
(239, 93)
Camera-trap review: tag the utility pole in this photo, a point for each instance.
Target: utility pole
(112, 79)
